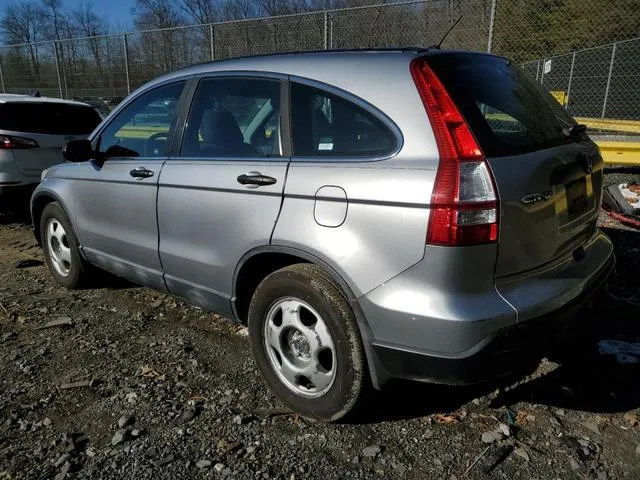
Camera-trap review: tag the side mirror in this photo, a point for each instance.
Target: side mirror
(78, 151)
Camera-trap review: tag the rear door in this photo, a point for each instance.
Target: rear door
(547, 172)
(220, 193)
(51, 125)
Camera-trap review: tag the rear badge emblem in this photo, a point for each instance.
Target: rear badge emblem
(587, 163)
(533, 198)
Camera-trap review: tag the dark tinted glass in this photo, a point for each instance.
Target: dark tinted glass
(507, 110)
(233, 117)
(48, 118)
(324, 124)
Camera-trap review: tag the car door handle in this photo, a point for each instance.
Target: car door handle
(141, 172)
(255, 178)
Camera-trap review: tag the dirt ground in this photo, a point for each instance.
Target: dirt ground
(134, 384)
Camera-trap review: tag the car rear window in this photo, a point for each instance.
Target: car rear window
(507, 110)
(48, 118)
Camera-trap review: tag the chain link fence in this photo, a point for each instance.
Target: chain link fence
(112, 66)
(592, 81)
(598, 83)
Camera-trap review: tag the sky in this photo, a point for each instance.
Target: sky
(114, 11)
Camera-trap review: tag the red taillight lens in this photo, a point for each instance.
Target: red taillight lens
(464, 209)
(10, 142)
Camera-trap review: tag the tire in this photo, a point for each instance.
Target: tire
(60, 247)
(299, 316)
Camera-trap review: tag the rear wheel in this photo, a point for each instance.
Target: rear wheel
(60, 246)
(307, 345)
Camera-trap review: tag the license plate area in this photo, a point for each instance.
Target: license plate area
(578, 201)
(574, 199)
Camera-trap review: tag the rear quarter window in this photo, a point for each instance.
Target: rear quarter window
(48, 118)
(326, 125)
(506, 110)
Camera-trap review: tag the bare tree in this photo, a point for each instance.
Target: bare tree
(55, 18)
(156, 14)
(91, 25)
(161, 48)
(240, 9)
(201, 11)
(23, 23)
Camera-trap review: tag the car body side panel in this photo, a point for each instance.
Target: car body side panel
(385, 226)
(59, 185)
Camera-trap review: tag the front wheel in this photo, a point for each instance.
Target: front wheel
(307, 345)
(60, 246)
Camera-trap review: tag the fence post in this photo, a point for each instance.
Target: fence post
(125, 46)
(330, 33)
(606, 92)
(538, 70)
(211, 42)
(542, 73)
(326, 33)
(55, 51)
(573, 61)
(492, 20)
(2, 77)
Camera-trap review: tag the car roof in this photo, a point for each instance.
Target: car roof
(293, 61)
(14, 98)
(319, 65)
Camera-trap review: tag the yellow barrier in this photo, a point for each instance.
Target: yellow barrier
(611, 124)
(620, 153)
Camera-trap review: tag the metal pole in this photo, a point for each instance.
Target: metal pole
(64, 74)
(542, 73)
(126, 62)
(492, 20)
(606, 92)
(2, 77)
(55, 51)
(275, 37)
(326, 33)
(211, 40)
(538, 70)
(573, 61)
(331, 34)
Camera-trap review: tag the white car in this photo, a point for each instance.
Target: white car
(33, 131)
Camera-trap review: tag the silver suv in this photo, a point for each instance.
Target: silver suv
(33, 131)
(418, 214)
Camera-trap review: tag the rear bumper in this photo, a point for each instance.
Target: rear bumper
(16, 191)
(509, 351)
(14, 183)
(497, 352)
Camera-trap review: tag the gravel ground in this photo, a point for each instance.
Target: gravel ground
(130, 383)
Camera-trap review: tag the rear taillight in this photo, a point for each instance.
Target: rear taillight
(10, 142)
(464, 207)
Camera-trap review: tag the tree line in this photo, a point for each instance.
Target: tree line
(99, 64)
(27, 21)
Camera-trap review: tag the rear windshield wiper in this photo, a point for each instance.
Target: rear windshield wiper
(574, 129)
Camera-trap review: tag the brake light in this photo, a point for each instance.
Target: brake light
(9, 142)
(464, 207)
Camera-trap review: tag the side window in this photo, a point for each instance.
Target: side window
(142, 128)
(233, 117)
(324, 124)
